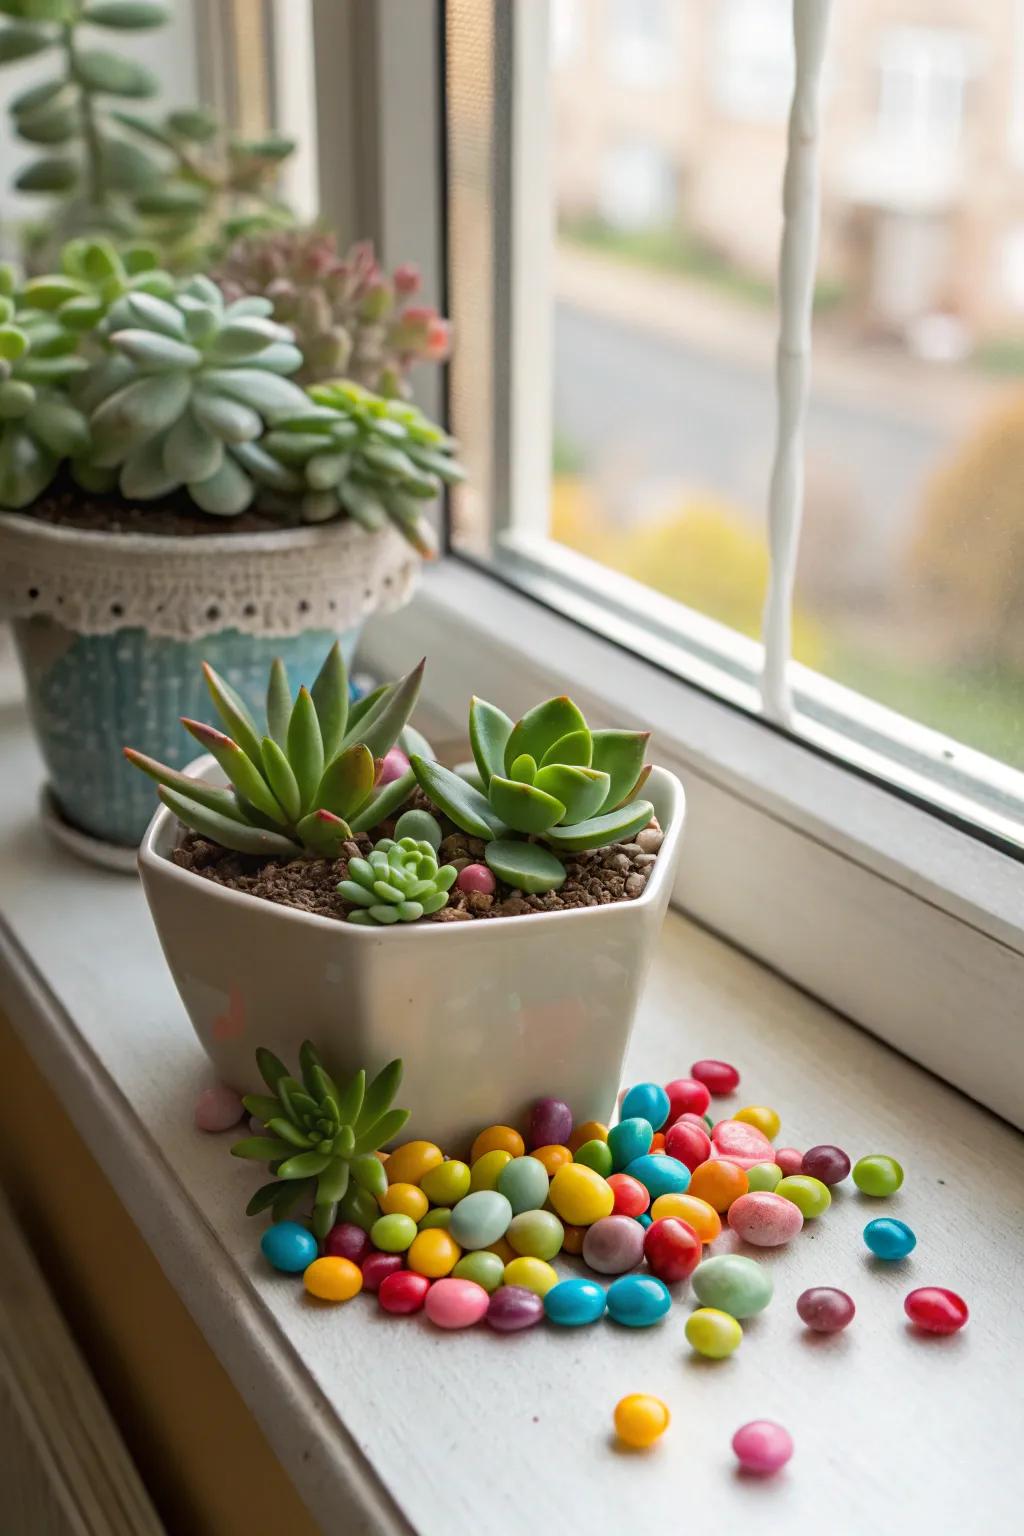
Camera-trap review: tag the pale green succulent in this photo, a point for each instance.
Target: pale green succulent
(400, 881)
(548, 777)
(306, 785)
(185, 394)
(359, 455)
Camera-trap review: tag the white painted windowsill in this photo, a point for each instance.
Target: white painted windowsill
(386, 1425)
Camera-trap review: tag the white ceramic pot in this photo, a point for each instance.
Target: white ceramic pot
(487, 1015)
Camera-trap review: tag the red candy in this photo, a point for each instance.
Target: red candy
(403, 1291)
(788, 1159)
(689, 1143)
(347, 1241)
(631, 1198)
(738, 1142)
(686, 1095)
(672, 1249)
(935, 1309)
(377, 1266)
(717, 1076)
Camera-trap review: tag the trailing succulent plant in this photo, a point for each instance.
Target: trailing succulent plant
(310, 781)
(547, 777)
(400, 882)
(113, 171)
(374, 460)
(185, 393)
(322, 1137)
(348, 316)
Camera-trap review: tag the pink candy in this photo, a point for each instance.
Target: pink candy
(456, 1303)
(764, 1219)
(218, 1108)
(476, 877)
(762, 1447)
(788, 1159)
(738, 1142)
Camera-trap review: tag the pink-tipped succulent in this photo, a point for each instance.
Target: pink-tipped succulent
(349, 317)
(310, 782)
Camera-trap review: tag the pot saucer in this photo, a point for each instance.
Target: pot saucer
(92, 849)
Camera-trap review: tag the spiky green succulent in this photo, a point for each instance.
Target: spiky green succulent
(548, 777)
(310, 781)
(321, 1137)
(349, 317)
(400, 881)
(186, 392)
(356, 454)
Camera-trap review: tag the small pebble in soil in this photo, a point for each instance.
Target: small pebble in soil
(825, 1309)
(719, 1077)
(827, 1163)
(218, 1108)
(762, 1447)
(933, 1309)
(889, 1239)
(478, 878)
(713, 1333)
(640, 1420)
(877, 1175)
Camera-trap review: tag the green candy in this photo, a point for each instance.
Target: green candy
(393, 1234)
(483, 1268)
(733, 1284)
(447, 1183)
(440, 1216)
(877, 1175)
(536, 1234)
(810, 1196)
(597, 1155)
(524, 1183)
(764, 1176)
(480, 1219)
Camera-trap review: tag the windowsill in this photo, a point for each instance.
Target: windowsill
(386, 1426)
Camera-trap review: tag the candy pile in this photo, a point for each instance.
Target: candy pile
(637, 1202)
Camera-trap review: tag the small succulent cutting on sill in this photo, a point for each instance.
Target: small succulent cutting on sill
(311, 781)
(322, 1138)
(400, 881)
(548, 776)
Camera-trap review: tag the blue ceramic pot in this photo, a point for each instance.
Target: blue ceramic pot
(91, 695)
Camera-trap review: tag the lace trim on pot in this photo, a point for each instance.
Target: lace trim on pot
(328, 577)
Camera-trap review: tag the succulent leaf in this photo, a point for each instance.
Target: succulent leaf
(528, 866)
(281, 778)
(581, 790)
(461, 803)
(380, 730)
(330, 698)
(323, 833)
(489, 731)
(222, 829)
(396, 882)
(575, 750)
(523, 807)
(616, 826)
(279, 702)
(347, 782)
(384, 802)
(208, 795)
(620, 754)
(234, 712)
(541, 727)
(305, 746)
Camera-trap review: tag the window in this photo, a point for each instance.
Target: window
(753, 60)
(924, 73)
(636, 189)
(638, 43)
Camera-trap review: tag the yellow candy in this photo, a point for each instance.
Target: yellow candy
(640, 1420)
(485, 1170)
(533, 1274)
(333, 1279)
(434, 1253)
(590, 1130)
(408, 1163)
(498, 1138)
(580, 1196)
(759, 1115)
(404, 1200)
(702, 1217)
(713, 1333)
(447, 1184)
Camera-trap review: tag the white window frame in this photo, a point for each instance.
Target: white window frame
(887, 911)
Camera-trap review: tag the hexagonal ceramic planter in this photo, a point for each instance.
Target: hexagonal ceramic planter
(487, 1015)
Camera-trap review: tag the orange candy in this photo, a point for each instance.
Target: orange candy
(572, 1240)
(503, 1248)
(703, 1218)
(590, 1130)
(498, 1138)
(718, 1182)
(553, 1157)
(658, 1142)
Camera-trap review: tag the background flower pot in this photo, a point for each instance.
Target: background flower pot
(487, 1015)
(111, 630)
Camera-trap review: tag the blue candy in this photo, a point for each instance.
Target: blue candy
(645, 1218)
(649, 1101)
(660, 1174)
(289, 1247)
(628, 1140)
(637, 1301)
(889, 1239)
(572, 1303)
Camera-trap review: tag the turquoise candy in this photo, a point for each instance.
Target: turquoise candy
(648, 1101)
(524, 1183)
(733, 1284)
(479, 1219)
(889, 1239)
(660, 1174)
(645, 1218)
(628, 1140)
(637, 1301)
(574, 1303)
(289, 1247)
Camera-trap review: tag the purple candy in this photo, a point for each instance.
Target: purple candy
(613, 1244)
(347, 1241)
(825, 1309)
(550, 1124)
(829, 1164)
(513, 1307)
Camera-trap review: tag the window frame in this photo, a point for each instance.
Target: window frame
(889, 913)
